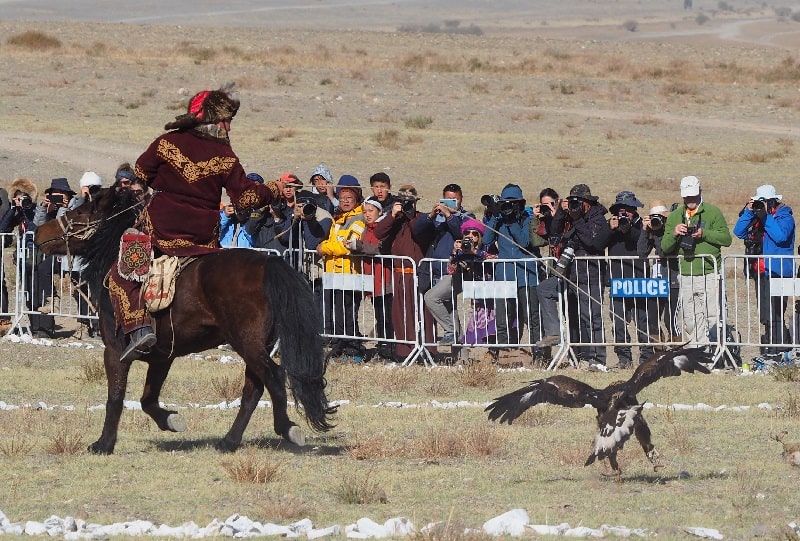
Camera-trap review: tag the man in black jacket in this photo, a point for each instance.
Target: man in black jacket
(626, 228)
(579, 228)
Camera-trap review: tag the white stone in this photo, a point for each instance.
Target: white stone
(583, 531)
(371, 528)
(35, 528)
(543, 529)
(399, 526)
(323, 532)
(707, 533)
(509, 523)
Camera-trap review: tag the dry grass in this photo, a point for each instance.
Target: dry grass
(360, 488)
(228, 387)
(66, 441)
(388, 138)
(251, 466)
(285, 508)
(17, 445)
(481, 374)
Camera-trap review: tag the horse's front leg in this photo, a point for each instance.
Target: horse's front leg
(165, 419)
(117, 378)
(251, 393)
(276, 386)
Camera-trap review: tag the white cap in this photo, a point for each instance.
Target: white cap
(766, 191)
(90, 178)
(690, 186)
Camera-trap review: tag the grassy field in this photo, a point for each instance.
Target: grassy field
(722, 469)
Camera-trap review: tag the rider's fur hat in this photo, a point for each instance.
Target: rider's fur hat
(208, 107)
(24, 185)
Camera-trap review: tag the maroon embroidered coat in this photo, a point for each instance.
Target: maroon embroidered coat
(188, 171)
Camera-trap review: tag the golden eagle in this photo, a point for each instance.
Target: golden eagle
(618, 411)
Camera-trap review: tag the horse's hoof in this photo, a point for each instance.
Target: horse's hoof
(98, 449)
(296, 436)
(175, 423)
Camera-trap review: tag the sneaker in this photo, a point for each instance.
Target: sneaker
(45, 308)
(549, 341)
(447, 340)
(142, 339)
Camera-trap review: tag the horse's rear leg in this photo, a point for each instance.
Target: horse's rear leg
(165, 419)
(117, 379)
(276, 386)
(251, 393)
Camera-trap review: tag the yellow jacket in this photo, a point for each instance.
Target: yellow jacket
(346, 226)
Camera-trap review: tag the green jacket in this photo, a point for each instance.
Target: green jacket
(715, 235)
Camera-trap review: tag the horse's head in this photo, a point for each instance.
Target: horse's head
(72, 231)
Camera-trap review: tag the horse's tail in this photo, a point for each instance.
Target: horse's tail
(297, 324)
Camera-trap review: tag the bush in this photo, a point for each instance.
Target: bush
(701, 19)
(34, 40)
(630, 25)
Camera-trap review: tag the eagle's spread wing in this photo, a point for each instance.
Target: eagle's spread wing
(666, 364)
(616, 426)
(560, 390)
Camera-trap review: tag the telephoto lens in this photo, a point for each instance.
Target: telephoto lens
(309, 210)
(466, 245)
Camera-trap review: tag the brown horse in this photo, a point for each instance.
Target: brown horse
(241, 297)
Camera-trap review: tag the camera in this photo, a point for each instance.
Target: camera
(25, 202)
(688, 242)
(565, 259)
(623, 221)
(545, 210)
(574, 204)
(56, 198)
(656, 221)
(308, 207)
(466, 245)
(489, 200)
(409, 206)
(279, 206)
(759, 205)
(511, 208)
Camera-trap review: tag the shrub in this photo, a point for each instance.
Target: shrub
(701, 19)
(34, 40)
(249, 468)
(66, 442)
(419, 122)
(630, 25)
(388, 138)
(360, 489)
(93, 370)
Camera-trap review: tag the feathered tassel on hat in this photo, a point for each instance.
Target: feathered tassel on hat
(208, 107)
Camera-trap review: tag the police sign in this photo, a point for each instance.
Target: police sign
(639, 287)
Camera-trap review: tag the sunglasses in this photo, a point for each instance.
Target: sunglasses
(473, 232)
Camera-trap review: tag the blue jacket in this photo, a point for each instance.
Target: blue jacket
(444, 234)
(778, 238)
(511, 239)
(227, 229)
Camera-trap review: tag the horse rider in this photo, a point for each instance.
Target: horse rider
(187, 168)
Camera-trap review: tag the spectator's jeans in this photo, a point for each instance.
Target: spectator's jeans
(440, 300)
(525, 308)
(699, 306)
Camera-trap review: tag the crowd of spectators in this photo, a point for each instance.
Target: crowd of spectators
(385, 236)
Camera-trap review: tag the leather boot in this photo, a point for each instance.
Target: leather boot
(141, 340)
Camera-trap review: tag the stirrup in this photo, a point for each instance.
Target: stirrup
(142, 340)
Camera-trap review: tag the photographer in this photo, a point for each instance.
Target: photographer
(767, 227)
(697, 228)
(397, 236)
(579, 228)
(443, 224)
(509, 227)
(666, 266)
(464, 264)
(59, 198)
(543, 213)
(262, 224)
(19, 214)
(626, 230)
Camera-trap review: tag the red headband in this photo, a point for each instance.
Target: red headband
(196, 105)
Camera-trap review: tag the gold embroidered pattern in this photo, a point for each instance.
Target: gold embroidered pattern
(193, 171)
(128, 316)
(248, 200)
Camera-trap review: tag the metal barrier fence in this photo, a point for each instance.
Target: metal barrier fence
(416, 311)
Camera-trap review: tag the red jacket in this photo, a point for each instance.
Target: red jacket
(188, 171)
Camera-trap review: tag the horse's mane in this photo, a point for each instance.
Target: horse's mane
(116, 213)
